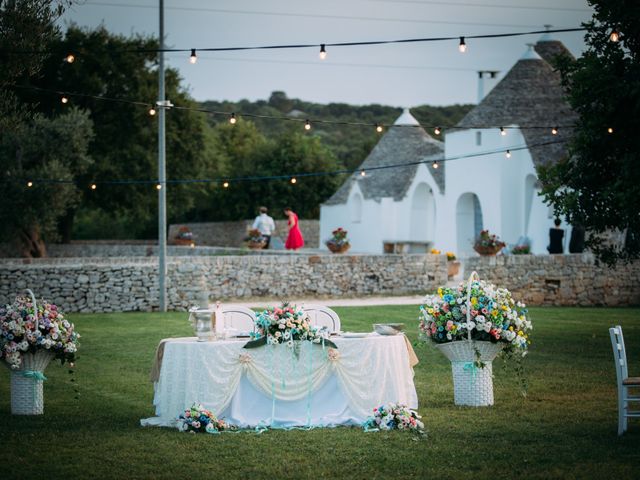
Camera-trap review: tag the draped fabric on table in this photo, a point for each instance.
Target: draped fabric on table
(319, 385)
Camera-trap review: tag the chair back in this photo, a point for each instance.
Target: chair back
(240, 318)
(321, 316)
(619, 353)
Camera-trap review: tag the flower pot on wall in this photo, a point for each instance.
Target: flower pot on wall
(256, 245)
(487, 251)
(338, 248)
(453, 267)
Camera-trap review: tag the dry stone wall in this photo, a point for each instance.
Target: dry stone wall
(129, 284)
(568, 280)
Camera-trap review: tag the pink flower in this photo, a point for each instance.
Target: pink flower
(449, 325)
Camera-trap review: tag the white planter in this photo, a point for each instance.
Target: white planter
(26, 388)
(472, 386)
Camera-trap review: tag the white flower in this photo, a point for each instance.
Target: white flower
(449, 337)
(487, 327)
(471, 325)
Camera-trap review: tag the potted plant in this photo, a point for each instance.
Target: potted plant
(338, 243)
(470, 325)
(453, 265)
(488, 244)
(521, 250)
(184, 237)
(31, 335)
(255, 240)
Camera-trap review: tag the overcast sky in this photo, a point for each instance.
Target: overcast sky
(400, 75)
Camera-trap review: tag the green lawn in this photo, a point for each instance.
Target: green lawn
(565, 428)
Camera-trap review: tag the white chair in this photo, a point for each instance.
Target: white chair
(624, 381)
(321, 316)
(239, 318)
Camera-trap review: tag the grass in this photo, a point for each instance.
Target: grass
(564, 428)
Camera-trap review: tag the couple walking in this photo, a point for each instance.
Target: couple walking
(267, 227)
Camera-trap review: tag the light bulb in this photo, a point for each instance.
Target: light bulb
(378, 128)
(158, 187)
(437, 130)
(152, 111)
(554, 131)
(463, 46)
(225, 184)
(93, 186)
(503, 132)
(29, 184)
(435, 165)
(323, 52)
(193, 58)
(508, 154)
(363, 173)
(293, 180)
(64, 99)
(609, 130)
(615, 35)
(233, 119)
(307, 125)
(70, 58)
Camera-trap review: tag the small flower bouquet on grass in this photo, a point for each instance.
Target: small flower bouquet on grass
(199, 419)
(288, 325)
(338, 243)
(394, 416)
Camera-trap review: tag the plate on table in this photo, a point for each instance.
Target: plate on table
(354, 334)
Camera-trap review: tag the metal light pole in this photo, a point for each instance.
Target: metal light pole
(162, 192)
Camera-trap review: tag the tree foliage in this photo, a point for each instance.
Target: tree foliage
(598, 185)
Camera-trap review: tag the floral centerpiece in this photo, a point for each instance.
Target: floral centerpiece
(394, 416)
(199, 419)
(338, 243)
(488, 244)
(287, 324)
(471, 324)
(31, 335)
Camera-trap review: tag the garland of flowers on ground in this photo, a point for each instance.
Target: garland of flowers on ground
(392, 416)
(199, 419)
(287, 324)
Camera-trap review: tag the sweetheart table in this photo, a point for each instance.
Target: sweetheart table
(275, 386)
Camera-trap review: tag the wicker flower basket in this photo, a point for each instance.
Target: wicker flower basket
(472, 385)
(256, 245)
(27, 396)
(338, 248)
(487, 251)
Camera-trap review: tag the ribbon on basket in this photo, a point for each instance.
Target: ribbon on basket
(37, 376)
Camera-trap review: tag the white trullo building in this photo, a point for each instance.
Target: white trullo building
(477, 186)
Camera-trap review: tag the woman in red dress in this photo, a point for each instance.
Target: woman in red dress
(294, 239)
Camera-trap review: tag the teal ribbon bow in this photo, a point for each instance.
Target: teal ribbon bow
(35, 374)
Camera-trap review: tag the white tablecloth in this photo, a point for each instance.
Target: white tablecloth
(270, 385)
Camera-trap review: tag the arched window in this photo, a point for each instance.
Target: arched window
(423, 214)
(355, 208)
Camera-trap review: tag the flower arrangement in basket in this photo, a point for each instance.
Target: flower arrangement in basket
(338, 243)
(31, 335)
(471, 325)
(488, 244)
(394, 416)
(287, 324)
(199, 419)
(255, 239)
(184, 236)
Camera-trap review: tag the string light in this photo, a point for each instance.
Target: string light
(93, 186)
(293, 180)
(193, 58)
(158, 187)
(233, 119)
(307, 125)
(610, 130)
(363, 173)
(435, 165)
(323, 52)
(508, 154)
(378, 128)
(554, 131)
(29, 184)
(152, 110)
(437, 130)
(70, 58)
(225, 184)
(615, 35)
(503, 132)
(463, 46)
(64, 99)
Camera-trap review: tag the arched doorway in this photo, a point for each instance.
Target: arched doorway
(423, 214)
(468, 222)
